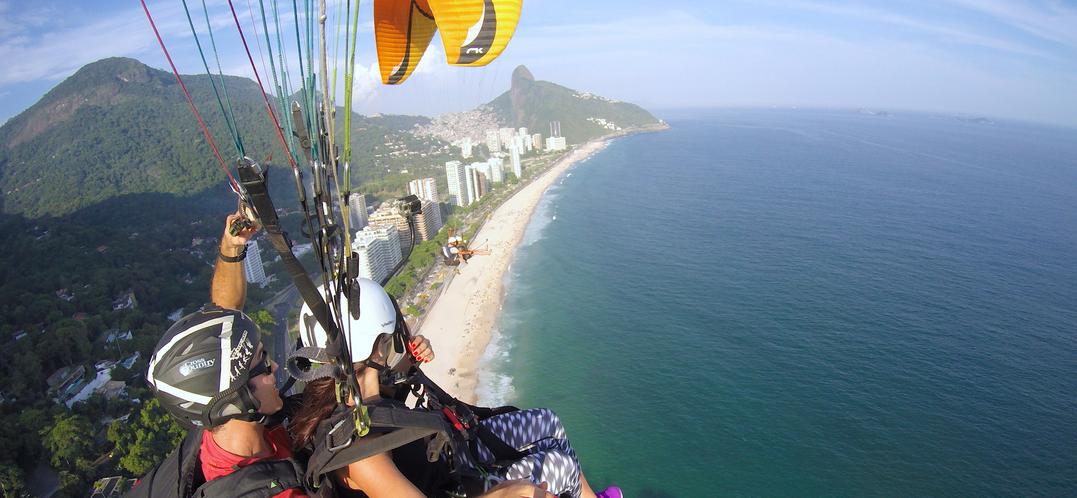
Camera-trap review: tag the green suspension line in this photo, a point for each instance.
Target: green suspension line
(220, 72)
(282, 99)
(228, 122)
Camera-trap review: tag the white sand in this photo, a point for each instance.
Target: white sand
(461, 321)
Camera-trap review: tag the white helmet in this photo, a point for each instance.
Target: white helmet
(373, 327)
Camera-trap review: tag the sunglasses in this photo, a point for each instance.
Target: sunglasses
(263, 367)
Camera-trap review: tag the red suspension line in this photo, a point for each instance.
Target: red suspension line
(272, 115)
(197, 115)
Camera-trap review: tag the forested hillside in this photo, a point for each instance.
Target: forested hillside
(119, 127)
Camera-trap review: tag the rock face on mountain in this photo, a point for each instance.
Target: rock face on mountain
(535, 104)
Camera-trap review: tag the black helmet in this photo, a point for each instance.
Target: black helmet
(199, 368)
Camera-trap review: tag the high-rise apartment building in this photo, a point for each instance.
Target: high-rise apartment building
(357, 210)
(424, 188)
(493, 142)
(536, 141)
(476, 180)
(505, 135)
(516, 168)
(556, 143)
(390, 214)
(454, 173)
(428, 223)
(496, 169)
(378, 251)
(252, 265)
(465, 147)
(555, 128)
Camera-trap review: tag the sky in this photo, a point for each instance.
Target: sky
(994, 58)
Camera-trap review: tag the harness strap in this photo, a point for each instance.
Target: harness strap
(254, 184)
(391, 427)
(261, 479)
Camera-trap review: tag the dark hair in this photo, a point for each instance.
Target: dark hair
(319, 401)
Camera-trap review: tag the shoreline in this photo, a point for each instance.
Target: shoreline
(460, 322)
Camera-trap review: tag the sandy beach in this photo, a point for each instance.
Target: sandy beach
(460, 323)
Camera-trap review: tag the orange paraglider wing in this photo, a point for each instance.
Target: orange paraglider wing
(402, 30)
(474, 32)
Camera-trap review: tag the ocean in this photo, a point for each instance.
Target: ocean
(806, 303)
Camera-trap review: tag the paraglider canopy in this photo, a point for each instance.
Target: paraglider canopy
(473, 32)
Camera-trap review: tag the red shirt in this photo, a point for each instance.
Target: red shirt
(217, 462)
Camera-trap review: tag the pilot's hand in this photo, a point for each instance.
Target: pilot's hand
(243, 235)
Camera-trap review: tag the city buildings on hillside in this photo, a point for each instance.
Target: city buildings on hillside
(454, 172)
(252, 265)
(378, 251)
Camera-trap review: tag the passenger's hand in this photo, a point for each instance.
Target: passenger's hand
(518, 489)
(421, 350)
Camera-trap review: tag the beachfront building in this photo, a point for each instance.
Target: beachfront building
(476, 180)
(516, 168)
(357, 210)
(495, 170)
(252, 265)
(390, 213)
(454, 173)
(493, 141)
(556, 144)
(428, 223)
(536, 142)
(378, 251)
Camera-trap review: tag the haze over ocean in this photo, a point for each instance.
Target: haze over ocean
(807, 303)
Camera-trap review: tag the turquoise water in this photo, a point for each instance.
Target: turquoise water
(774, 303)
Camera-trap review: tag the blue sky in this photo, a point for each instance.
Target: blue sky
(980, 57)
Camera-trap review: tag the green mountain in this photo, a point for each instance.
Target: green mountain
(118, 127)
(534, 104)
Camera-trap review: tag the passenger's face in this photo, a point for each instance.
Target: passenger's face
(264, 386)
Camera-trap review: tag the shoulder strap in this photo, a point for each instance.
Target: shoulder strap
(261, 479)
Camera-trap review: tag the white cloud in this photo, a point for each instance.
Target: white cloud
(1052, 20)
(960, 34)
